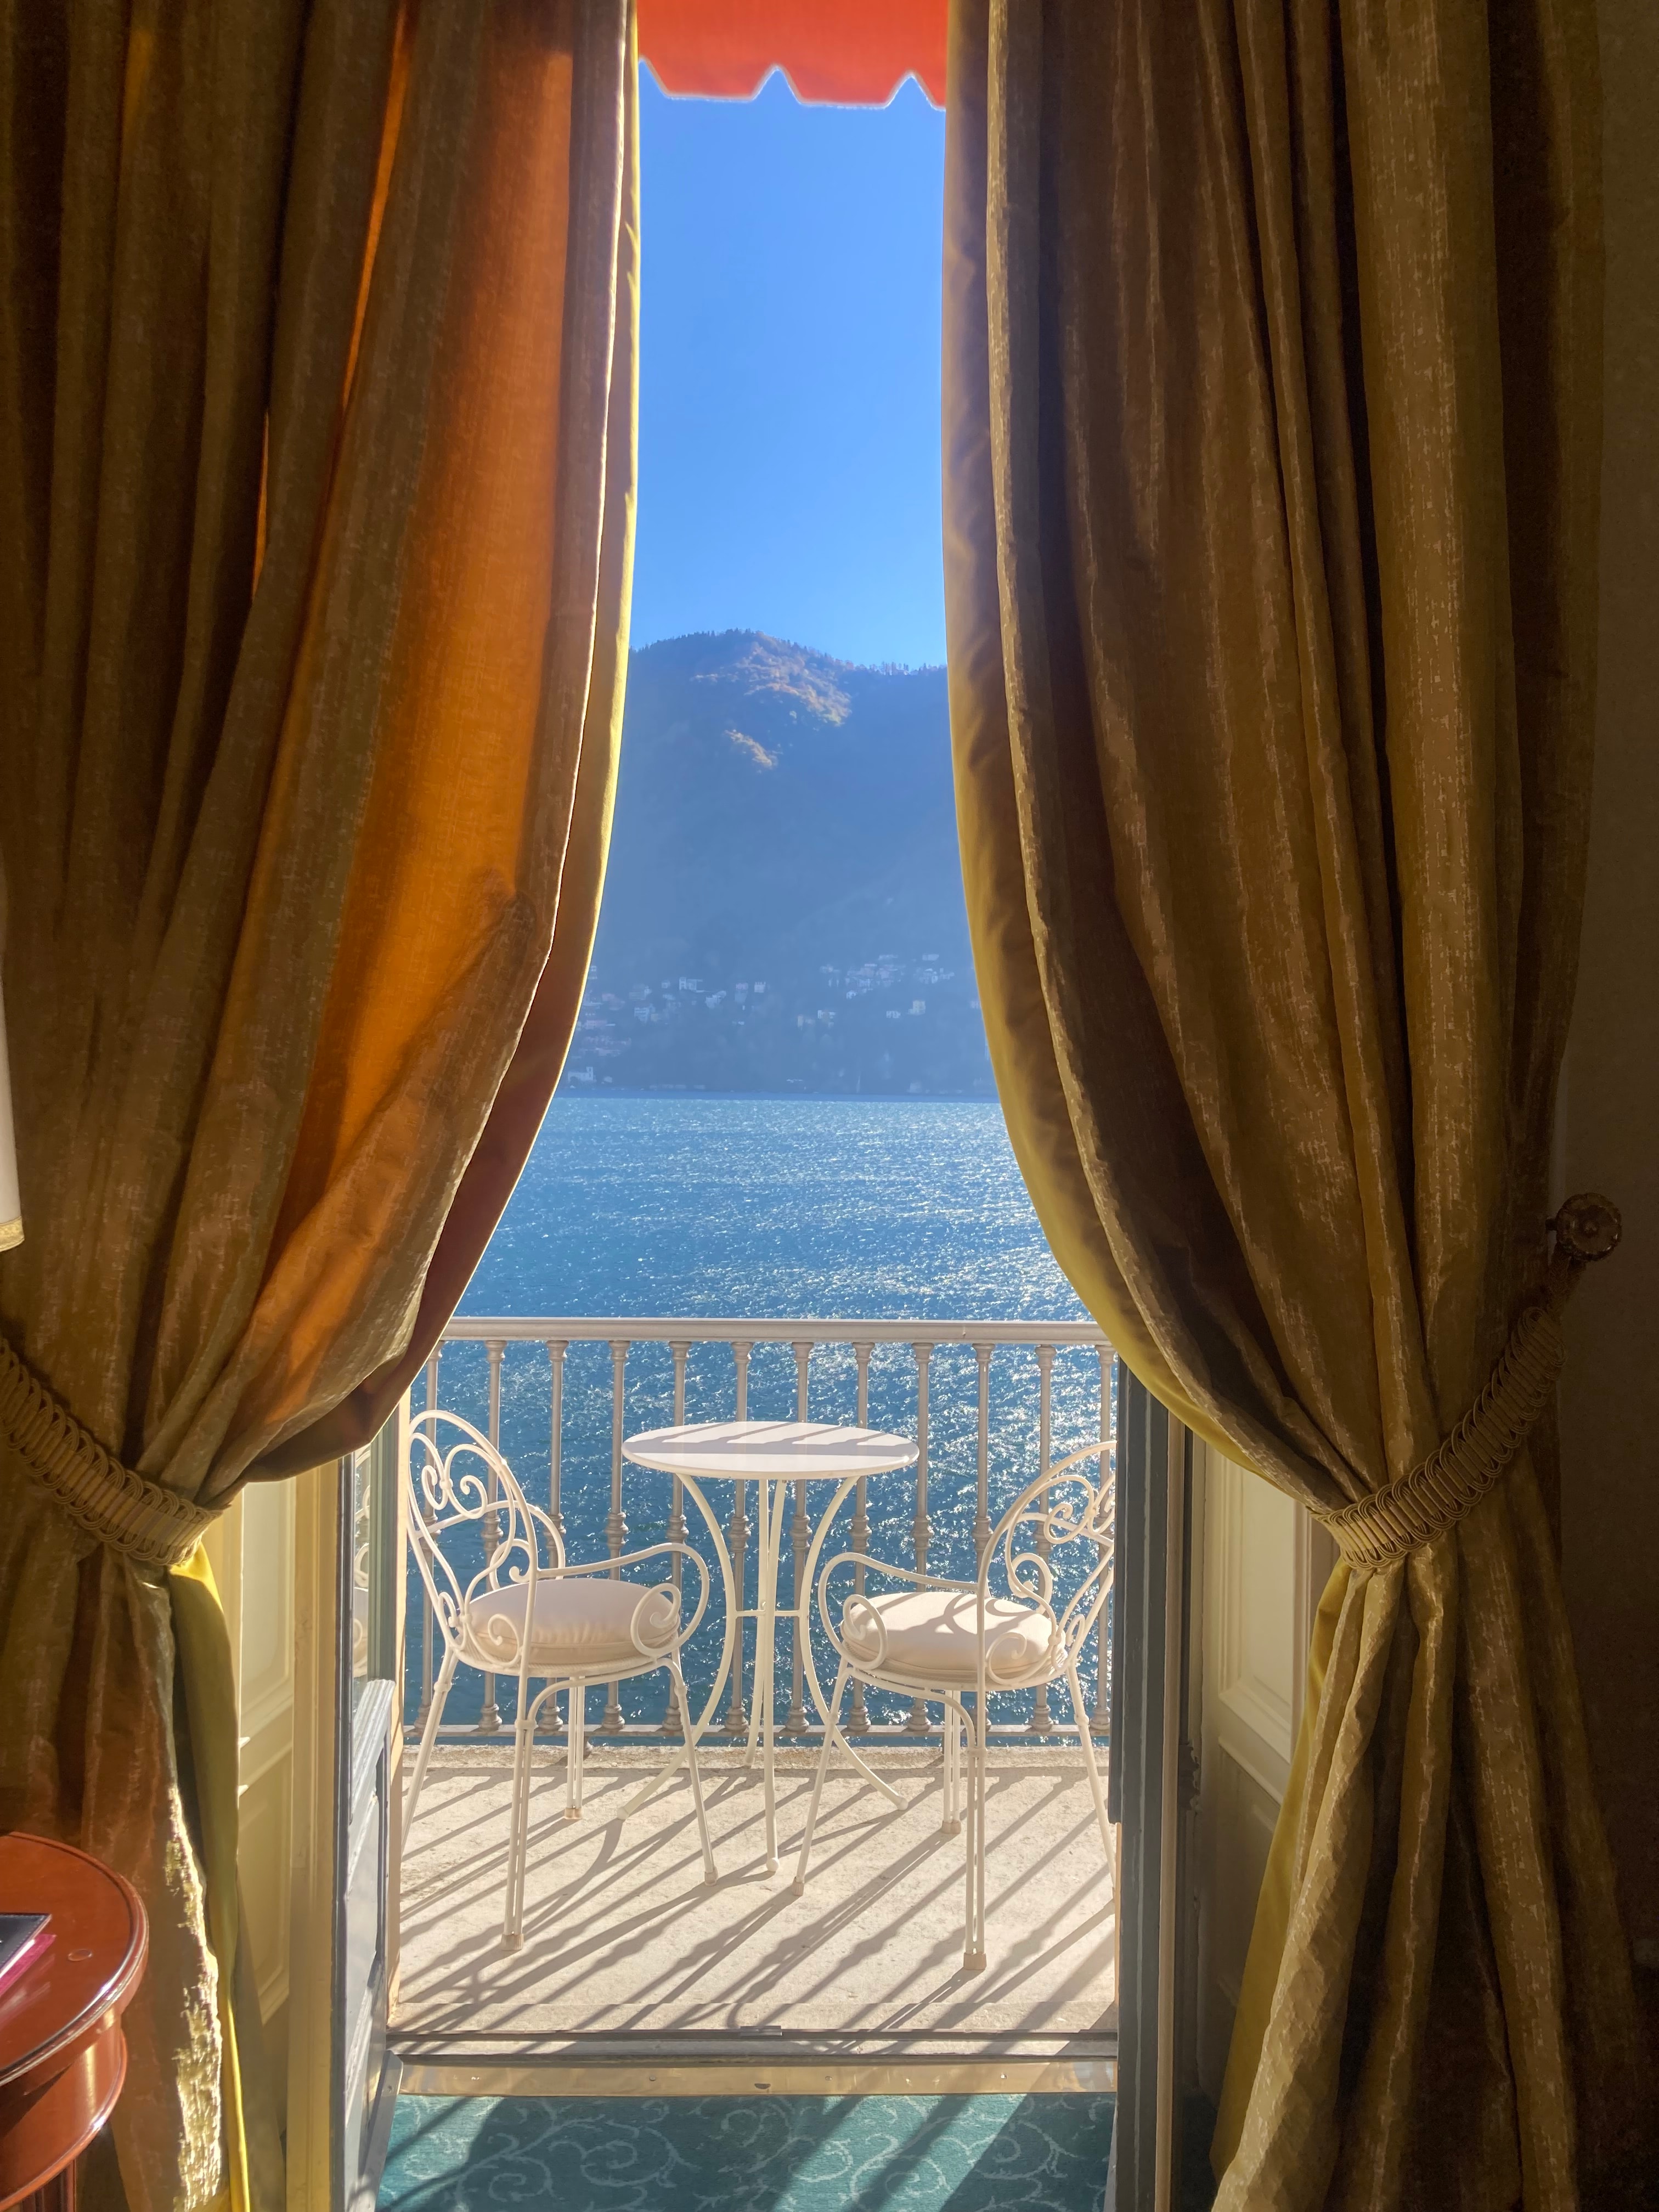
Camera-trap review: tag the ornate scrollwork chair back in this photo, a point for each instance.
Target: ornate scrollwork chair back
(458, 1479)
(1065, 1516)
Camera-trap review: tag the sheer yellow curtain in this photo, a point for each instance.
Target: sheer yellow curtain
(1272, 399)
(317, 377)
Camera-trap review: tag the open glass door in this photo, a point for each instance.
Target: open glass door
(342, 2080)
(344, 2075)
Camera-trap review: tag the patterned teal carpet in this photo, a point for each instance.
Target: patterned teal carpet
(748, 2154)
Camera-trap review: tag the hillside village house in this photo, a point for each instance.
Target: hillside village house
(1301, 544)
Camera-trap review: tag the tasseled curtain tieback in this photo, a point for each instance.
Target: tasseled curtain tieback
(1435, 1495)
(109, 1501)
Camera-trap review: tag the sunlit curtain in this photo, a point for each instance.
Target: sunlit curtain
(1272, 397)
(11, 1203)
(317, 381)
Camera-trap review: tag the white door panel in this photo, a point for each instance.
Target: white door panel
(250, 1548)
(1265, 1563)
(347, 1781)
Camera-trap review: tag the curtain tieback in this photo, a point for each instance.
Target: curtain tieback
(1433, 1497)
(109, 1501)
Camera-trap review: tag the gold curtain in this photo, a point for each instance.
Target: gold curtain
(317, 376)
(1271, 437)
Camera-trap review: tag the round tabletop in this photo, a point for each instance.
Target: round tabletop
(62, 2057)
(793, 1451)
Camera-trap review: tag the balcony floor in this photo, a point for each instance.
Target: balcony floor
(621, 1934)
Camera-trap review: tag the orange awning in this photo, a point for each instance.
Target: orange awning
(855, 53)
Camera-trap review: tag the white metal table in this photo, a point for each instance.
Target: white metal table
(771, 1455)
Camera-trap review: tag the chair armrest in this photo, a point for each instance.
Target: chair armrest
(923, 1581)
(625, 1560)
(918, 1576)
(687, 1628)
(544, 1521)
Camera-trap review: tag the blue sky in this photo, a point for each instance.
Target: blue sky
(789, 372)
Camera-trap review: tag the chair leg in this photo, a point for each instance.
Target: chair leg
(518, 1828)
(945, 1770)
(973, 1953)
(830, 1721)
(668, 1766)
(576, 1730)
(710, 1871)
(845, 1744)
(1089, 1758)
(511, 1884)
(428, 1736)
(951, 1822)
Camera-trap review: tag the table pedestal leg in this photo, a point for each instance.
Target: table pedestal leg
(763, 1726)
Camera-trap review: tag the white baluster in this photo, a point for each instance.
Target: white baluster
(858, 1721)
(921, 1529)
(800, 1537)
(557, 1348)
(1108, 1473)
(982, 1499)
(1040, 1723)
(555, 1351)
(737, 1718)
(616, 1526)
(680, 1347)
(490, 1718)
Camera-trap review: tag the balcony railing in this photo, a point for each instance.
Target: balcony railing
(559, 1396)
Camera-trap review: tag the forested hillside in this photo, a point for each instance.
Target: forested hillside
(783, 908)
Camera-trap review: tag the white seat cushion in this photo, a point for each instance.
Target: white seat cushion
(932, 1635)
(581, 1622)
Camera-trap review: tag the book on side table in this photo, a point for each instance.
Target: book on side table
(24, 1938)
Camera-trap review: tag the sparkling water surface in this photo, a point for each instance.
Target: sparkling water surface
(759, 1208)
(772, 1207)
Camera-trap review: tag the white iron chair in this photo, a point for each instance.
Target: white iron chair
(945, 1641)
(585, 1627)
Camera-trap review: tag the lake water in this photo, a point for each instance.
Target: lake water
(770, 1209)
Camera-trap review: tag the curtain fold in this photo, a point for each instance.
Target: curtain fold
(317, 367)
(1271, 439)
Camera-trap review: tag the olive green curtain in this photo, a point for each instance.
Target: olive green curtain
(1272, 438)
(317, 377)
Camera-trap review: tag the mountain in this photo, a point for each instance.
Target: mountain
(783, 906)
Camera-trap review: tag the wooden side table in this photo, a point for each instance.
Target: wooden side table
(62, 2055)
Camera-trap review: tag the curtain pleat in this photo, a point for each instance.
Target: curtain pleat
(1271, 432)
(316, 362)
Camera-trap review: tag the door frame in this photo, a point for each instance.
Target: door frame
(1151, 1618)
(336, 1770)
(1151, 1623)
